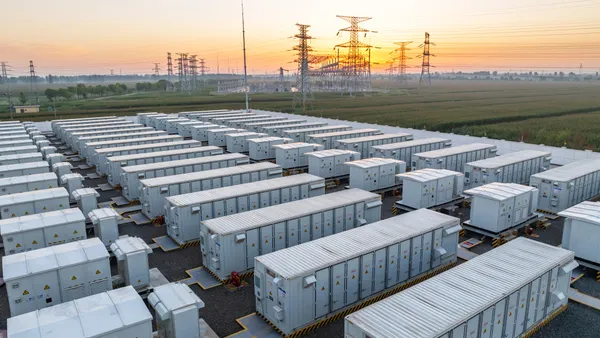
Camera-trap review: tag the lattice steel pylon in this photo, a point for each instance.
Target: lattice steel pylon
(426, 60)
(33, 81)
(170, 72)
(303, 94)
(356, 67)
(156, 69)
(402, 59)
(193, 68)
(281, 82)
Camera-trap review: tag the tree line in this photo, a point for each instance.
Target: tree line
(82, 91)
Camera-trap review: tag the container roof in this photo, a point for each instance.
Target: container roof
(27, 179)
(37, 221)
(225, 130)
(570, 171)
(278, 213)
(66, 177)
(301, 125)
(104, 132)
(104, 213)
(145, 146)
(130, 244)
(499, 191)
(18, 149)
(372, 162)
(431, 308)
(585, 211)
(62, 164)
(455, 150)
(28, 165)
(281, 120)
(267, 139)
(143, 132)
(176, 296)
(428, 174)
(346, 132)
(208, 174)
(77, 194)
(315, 255)
(134, 140)
(308, 130)
(165, 153)
(192, 123)
(207, 196)
(407, 144)
(296, 145)
(375, 138)
(507, 159)
(17, 142)
(330, 153)
(245, 134)
(207, 126)
(186, 162)
(99, 125)
(25, 197)
(20, 156)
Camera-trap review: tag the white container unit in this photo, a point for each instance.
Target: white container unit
(232, 121)
(280, 129)
(291, 155)
(116, 313)
(59, 124)
(23, 169)
(243, 122)
(19, 150)
(185, 128)
(14, 137)
(13, 132)
(45, 277)
(191, 114)
(302, 135)
(231, 243)
(581, 232)
(149, 119)
(200, 132)
(72, 182)
(212, 117)
(37, 138)
(403, 151)
(102, 155)
(216, 137)
(160, 123)
(172, 125)
(364, 145)
(26, 233)
(15, 185)
(73, 140)
(54, 158)
(106, 224)
(238, 142)
(42, 144)
(87, 199)
(83, 142)
(428, 188)
(90, 149)
(142, 117)
(330, 163)
(261, 149)
(566, 186)
(116, 163)
(65, 133)
(257, 126)
(328, 140)
(508, 168)
(183, 213)
(373, 174)
(20, 158)
(221, 120)
(176, 311)
(60, 129)
(504, 293)
(62, 168)
(46, 150)
(453, 158)
(131, 175)
(132, 260)
(497, 207)
(16, 143)
(154, 190)
(297, 287)
(33, 202)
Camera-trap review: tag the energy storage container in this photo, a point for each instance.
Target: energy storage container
(102, 155)
(428, 188)
(185, 128)
(132, 260)
(261, 149)
(497, 207)
(90, 149)
(12, 128)
(302, 135)
(212, 117)
(373, 174)
(13, 132)
(279, 129)
(200, 132)
(190, 114)
(154, 190)
(20, 158)
(54, 158)
(221, 120)
(72, 127)
(73, 140)
(453, 158)
(232, 121)
(37, 138)
(42, 144)
(15, 185)
(131, 176)
(291, 155)
(403, 151)
(511, 292)
(33, 133)
(23, 169)
(55, 124)
(120, 123)
(62, 168)
(46, 150)
(150, 119)
(16, 143)
(106, 224)
(243, 122)
(143, 116)
(82, 142)
(568, 185)
(216, 137)
(238, 142)
(71, 182)
(176, 311)
(328, 139)
(14, 137)
(38, 231)
(160, 123)
(257, 126)
(183, 213)
(18, 150)
(508, 168)
(296, 288)
(231, 243)
(581, 231)
(364, 144)
(45, 277)
(87, 199)
(172, 125)
(116, 163)
(330, 163)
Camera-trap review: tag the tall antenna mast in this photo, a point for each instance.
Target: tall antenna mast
(245, 69)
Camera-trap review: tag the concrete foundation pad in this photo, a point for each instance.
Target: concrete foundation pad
(254, 326)
(139, 219)
(166, 243)
(202, 277)
(83, 166)
(105, 187)
(128, 209)
(120, 201)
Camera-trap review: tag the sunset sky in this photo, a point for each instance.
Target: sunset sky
(68, 37)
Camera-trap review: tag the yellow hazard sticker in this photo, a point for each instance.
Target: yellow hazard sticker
(25, 293)
(55, 235)
(323, 289)
(266, 241)
(353, 276)
(47, 287)
(60, 205)
(75, 232)
(366, 272)
(34, 242)
(73, 278)
(27, 212)
(98, 272)
(253, 245)
(35, 189)
(18, 245)
(139, 280)
(13, 215)
(337, 283)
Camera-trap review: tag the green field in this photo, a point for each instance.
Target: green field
(552, 113)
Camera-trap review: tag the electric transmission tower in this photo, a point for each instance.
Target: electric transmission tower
(156, 69)
(193, 71)
(426, 60)
(303, 94)
(4, 74)
(203, 68)
(281, 82)
(170, 72)
(402, 60)
(33, 81)
(6, 80)
(356, 67)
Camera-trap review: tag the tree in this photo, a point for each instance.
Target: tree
(51, 93)
(495, 73)
(64, 93)
(22, 98)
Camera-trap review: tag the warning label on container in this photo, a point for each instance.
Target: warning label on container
(18, 245)
(73, 278)
(55, 235)
(25, 293)
(98, 272)
(34, 242)
(47, 287)
(75, 232)
(44, 208)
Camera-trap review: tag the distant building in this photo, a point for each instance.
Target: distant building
(27, 109)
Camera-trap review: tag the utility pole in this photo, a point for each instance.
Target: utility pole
(356, 67)
(6, 79)
(156, 69)
(303, 94)
(246, 89)
(218, 70)
(33, 81)
(426, 58)
(402, 59)
(112, 72)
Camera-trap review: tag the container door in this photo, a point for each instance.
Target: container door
(219, 208)
(416, 245)
(242, 203)
(254, 177)
(265, 199)
(522, 310)
(426, 192)
(266, 239)
(317, 226)
(436, 259)
(339, 220)
(294, 193)
(292, 232)
(304, 191)
(285, 195)
(533, 300)
(503, 218)
(360, 212)
(279, 240)
(485, 329)
(352, 280)
(366, 275)
(498, 322)
(473, 327)
(251, 247)
(328, 223)
(511, 316)
(305, 229)
(322, 293)
(553, 285)
(338, 286)
(427, 248)
(349, 217)
(541, 305)
(212, 250)
(404, 260)
(271, 293)
(241, 179)
(275, 200)
(253, 202)
(459, 331)
(379, 268)
(392, 265)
